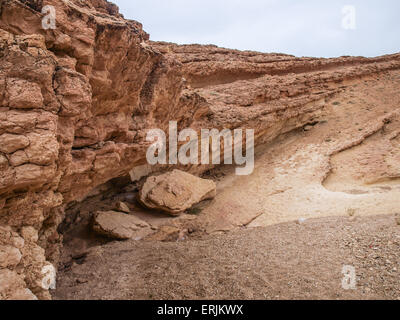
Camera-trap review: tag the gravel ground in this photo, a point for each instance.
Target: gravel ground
(285, 261)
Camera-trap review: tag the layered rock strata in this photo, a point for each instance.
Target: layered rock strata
(76, 103)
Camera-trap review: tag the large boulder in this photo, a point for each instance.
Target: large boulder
(176, 191)
(120, 226)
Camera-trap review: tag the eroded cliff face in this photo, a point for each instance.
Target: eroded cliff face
(76, 101)
(74, 105)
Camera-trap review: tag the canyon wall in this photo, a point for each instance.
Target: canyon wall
(76, 101)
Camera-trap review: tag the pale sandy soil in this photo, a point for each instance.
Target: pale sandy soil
(341, 175)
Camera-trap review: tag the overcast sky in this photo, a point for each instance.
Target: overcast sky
(299, 27)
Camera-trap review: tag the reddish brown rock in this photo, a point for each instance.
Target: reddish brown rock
(23, 94)
(176, 191)
(122, 207)
(13, 142)
(10, 257)
(76, 103)
(120, 226)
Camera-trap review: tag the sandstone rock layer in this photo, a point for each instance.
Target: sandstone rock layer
(76, 103)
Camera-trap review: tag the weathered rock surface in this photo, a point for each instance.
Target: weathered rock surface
(122, 207)
(12, 286)
(120, 226)
(76, 103)
(165, 234)
(176, 191)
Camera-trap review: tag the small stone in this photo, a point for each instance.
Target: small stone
(301, 220)
(81, 281)
(120, 226)
(123, 207)
(351, 212)
(182, 235)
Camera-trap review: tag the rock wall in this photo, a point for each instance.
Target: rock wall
(76, 101)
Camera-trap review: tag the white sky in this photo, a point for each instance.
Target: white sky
(299, 27)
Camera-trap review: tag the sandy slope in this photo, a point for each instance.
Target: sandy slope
(349, 160)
